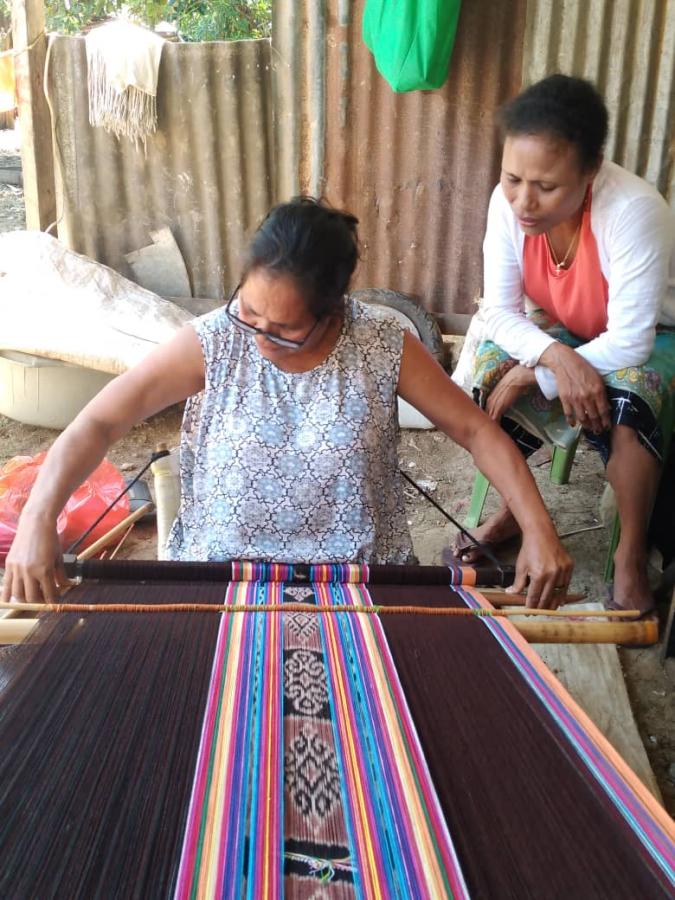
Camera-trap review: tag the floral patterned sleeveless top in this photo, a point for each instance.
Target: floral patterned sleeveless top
(294, 467)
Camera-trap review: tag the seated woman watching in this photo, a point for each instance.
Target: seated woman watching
(593, 247)
(289, 439)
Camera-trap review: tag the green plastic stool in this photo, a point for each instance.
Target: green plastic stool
(561, 466)
(559, 473)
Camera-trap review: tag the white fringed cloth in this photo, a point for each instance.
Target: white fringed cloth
(123, 66)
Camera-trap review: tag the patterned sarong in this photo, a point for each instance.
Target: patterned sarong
(641, 397)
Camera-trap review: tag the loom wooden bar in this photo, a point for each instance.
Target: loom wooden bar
(499, 597)
(560, 632)
(454, 612)
(115, 532)
(13, 631)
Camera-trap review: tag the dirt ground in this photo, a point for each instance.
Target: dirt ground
(12, 213)
(447, 473)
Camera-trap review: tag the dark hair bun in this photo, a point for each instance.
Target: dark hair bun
(566, 107)
(314, 243)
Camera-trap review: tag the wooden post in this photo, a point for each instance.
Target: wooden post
(28, 31)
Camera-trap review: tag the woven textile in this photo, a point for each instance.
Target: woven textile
(337, 669)
(304, 755)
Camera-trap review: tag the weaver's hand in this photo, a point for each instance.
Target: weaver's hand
(580, 388)
(512, 386)
(34, 567)
(545, 562)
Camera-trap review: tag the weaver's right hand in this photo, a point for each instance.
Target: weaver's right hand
(34, 567)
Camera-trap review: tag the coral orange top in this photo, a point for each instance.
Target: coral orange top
(575, 297)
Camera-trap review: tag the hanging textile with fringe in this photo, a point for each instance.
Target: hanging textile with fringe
(289, 753)
(123, 67)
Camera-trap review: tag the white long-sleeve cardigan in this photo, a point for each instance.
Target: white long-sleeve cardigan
(635, 234)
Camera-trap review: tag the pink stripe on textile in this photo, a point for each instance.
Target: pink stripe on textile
(229, 843)
(267, 876)
(401, 844)
(445, 846)
(188, 853)
(238, 766)
(359, 798)
(647, 818)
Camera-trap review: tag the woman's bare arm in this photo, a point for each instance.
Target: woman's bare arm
(167, 375)
(424, 384)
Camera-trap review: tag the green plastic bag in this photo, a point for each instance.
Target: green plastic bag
(411, 40)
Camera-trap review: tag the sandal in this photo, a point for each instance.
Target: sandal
(454, 555)
(463, 544)
(610, 605)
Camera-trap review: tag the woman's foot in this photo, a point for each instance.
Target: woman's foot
(631, 586)
(498, 529)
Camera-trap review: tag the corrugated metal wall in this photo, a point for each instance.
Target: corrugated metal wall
(627, 48)
(417, 169)
(207, 173)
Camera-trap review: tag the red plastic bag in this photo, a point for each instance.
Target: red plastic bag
(82, 509)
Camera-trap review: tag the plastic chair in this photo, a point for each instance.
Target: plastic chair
(559, 473)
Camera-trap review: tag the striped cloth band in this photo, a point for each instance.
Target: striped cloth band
(643, 817)
(400, 846)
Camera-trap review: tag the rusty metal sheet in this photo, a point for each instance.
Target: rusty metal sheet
(627, 48)
(207, 173)
(417, 169)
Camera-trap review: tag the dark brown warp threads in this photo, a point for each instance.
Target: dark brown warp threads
(99, 731)
(526, 816)
(98, 741)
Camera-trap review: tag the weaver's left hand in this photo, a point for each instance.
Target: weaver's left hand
(545, 562)
(505, 393)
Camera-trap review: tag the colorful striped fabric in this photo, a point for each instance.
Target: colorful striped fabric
(314, 756)
(240, 761)
(234, 845)
(401, 844)
(648, 820)
(394, 842)
(288, 572)
(345, 573)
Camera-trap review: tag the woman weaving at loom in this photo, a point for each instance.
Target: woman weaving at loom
(590, 244)
(289, 445)
(255, 739)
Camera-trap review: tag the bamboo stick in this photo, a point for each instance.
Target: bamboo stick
(118, 545)
(460, 611)
(640, 633)
(500, 597)
(13, 631)
(114, 532)
(536, 630)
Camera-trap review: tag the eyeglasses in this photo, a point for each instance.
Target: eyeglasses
(251, 329)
